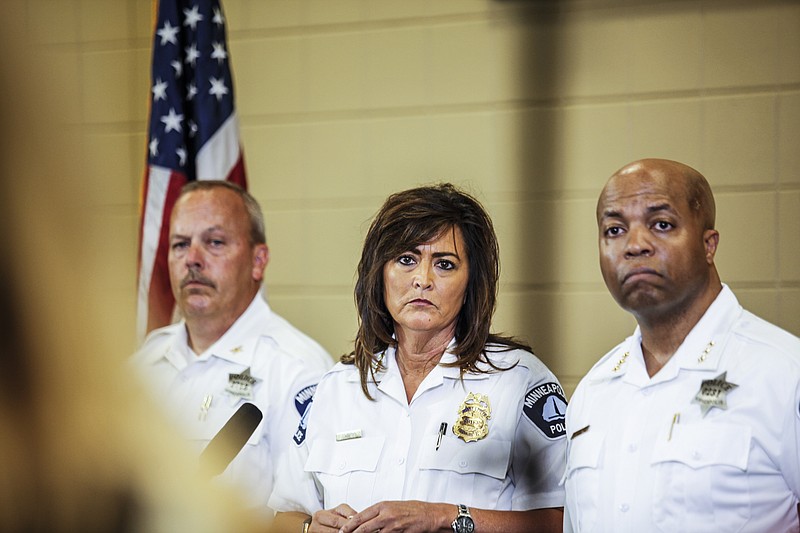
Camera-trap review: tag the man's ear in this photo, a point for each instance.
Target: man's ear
(260, 261)
(710, 241)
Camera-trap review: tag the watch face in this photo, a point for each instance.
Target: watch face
(464, 524)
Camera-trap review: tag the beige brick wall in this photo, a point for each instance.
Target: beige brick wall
(345, 101)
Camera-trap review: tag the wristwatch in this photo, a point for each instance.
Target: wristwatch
(463, 522)
(306, 524)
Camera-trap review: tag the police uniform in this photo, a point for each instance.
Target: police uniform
(361, 452)
(710, 443)
(262, 360)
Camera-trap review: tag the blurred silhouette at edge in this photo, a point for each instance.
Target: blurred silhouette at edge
(74, 452)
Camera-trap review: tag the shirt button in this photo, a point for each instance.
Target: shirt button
(341, 465)
(632, 448)
(401, 460)
(624, 507)
(462, 463)
(696, 455)
(646, 392)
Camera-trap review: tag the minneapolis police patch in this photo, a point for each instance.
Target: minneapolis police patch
(545, 406)
(302, 402)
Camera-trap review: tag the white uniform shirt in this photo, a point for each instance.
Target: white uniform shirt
(392, 450)
(286, 364)
(642, 457)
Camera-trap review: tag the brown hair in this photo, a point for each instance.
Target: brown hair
(407, 220)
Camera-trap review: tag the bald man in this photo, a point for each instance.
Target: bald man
(693, 422)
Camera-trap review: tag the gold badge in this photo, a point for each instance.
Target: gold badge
(473, 418)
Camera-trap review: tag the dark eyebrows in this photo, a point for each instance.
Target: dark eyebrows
(659, 207)
(205, 232)
(446, 254)
(610, 213)
(435, 255)
(614, 213)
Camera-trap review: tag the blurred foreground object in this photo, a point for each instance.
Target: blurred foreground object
(73, 456)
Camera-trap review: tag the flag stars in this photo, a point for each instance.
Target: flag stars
(181, 152)
(159, 90)
(193, 16)
(153, 146)
(191, 91)
(168, 33)
(192, 54)
(218, 88)
(218, 19)
(192, 128)
(178, 67)
(219, 52)
(172, 121)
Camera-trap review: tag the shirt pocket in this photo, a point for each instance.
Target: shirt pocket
(474, 473)
(582, 479)
(203, 430)
(346, 470)
(699, 480)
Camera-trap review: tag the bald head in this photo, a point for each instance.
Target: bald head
(657, 241)
(676, 176)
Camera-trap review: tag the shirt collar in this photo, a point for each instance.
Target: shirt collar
(236, 344)
(389, 367)
(701, 349)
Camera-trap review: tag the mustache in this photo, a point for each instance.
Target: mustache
(195, 277)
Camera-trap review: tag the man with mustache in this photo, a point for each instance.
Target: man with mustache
(229, 348)
(693, 422)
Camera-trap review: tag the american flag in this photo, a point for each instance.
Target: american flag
(193, 134)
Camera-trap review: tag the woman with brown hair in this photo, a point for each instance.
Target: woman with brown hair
(432, 423)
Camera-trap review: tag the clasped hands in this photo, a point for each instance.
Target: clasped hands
(386, 517)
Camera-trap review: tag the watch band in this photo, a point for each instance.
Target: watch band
(463, 522)
(306, 524)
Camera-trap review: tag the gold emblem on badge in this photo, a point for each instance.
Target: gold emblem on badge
(473, 418)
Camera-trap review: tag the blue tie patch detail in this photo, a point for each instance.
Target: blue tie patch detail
(546, 407)
(302, 402)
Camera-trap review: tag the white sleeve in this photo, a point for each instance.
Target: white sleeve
(295, 489)
(567, 521)
(539, 455)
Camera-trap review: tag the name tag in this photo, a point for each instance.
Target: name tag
(348, 435)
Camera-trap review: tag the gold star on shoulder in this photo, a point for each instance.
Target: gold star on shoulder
(714, 393)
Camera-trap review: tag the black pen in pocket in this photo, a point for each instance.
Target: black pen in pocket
(442, 430)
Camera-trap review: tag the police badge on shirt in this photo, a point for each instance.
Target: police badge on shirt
(545, 406)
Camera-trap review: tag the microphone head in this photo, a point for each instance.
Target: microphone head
(229, 441)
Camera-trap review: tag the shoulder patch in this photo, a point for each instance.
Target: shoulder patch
(302, 402)
(545, 407)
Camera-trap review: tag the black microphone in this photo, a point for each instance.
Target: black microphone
(227, 443)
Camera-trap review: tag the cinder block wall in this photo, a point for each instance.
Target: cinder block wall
(529, 106)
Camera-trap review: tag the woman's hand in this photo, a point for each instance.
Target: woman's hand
(408, 516)
(331, 519)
